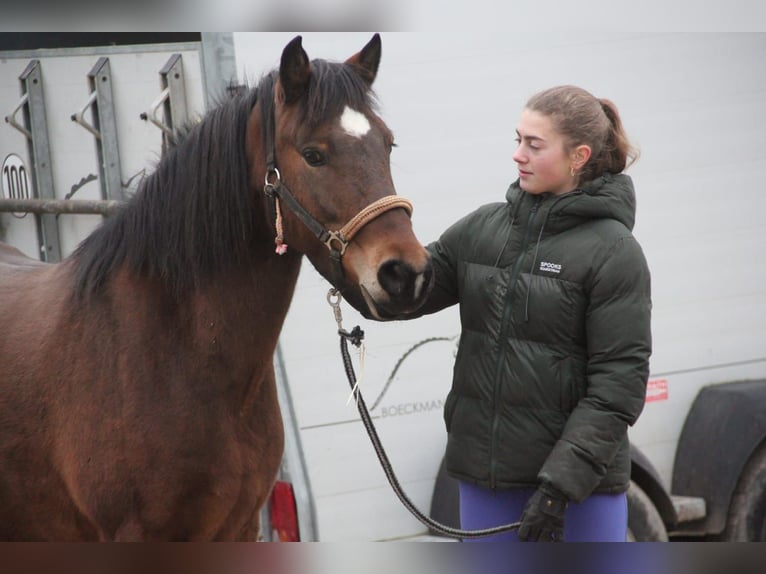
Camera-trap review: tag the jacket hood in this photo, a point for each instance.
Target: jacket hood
(610, 196)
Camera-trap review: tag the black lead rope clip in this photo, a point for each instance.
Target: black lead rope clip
(356, 336)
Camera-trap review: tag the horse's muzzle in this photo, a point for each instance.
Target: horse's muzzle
(403, 290)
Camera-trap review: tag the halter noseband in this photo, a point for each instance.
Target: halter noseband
(336, 241)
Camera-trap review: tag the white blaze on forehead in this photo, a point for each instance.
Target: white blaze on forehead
(354, 123)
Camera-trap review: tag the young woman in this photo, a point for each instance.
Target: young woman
(554, 296)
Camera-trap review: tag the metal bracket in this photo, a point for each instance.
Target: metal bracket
(104, 128)
(11, 119)
(79, 117)
(172, 99)
(35, 129)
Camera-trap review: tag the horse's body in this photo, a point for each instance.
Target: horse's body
(133, 416)
(137, 394)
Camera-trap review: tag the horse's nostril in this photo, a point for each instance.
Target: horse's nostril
(397, 278)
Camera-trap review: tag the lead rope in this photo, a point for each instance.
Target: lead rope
(356, 336)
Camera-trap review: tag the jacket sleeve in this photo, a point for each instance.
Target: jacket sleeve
(444, 258)
(618, 331)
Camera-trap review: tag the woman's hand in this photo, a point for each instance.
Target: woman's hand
(543, 516)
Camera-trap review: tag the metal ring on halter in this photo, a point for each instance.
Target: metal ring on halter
(336, 236)
(268, 187)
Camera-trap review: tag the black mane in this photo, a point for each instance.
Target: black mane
(195, 215)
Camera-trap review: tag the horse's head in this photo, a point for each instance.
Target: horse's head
(327, 181)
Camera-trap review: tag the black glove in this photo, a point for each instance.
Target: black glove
(543, 516)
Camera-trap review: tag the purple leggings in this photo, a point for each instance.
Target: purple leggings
(599, 518)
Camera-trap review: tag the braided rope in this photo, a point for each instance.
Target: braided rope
(356, 336)
(279, 240)
(371, 212)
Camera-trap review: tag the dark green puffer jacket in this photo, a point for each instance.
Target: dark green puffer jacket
(555, 306)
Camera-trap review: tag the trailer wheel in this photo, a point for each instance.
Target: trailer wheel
(747, 513)
(644, 521)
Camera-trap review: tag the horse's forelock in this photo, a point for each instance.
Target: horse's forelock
(334, 86)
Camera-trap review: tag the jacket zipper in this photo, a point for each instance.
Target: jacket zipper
(503, 334)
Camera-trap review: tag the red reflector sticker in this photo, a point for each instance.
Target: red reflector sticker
(657, 390)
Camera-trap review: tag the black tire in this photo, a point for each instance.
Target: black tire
(644, 521)
(747, 512)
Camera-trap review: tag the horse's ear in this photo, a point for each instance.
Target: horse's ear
(366, 61)
(294, 70)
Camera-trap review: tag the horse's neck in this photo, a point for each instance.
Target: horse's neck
(251, 305)
(235, 318)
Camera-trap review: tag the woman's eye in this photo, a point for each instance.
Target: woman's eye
(530, 144)
(314, 158)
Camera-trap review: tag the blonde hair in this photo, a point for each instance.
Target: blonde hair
(581, 118)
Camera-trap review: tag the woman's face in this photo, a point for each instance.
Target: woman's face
(544, 164)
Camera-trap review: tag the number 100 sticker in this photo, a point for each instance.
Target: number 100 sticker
(15, 181)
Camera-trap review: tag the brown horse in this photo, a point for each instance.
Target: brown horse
(137, 393)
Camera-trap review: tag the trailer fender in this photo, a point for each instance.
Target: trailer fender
(724, 427)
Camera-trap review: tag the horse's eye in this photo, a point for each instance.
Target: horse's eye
(314, 158)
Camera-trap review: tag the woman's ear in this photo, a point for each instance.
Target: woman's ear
(580, 156)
